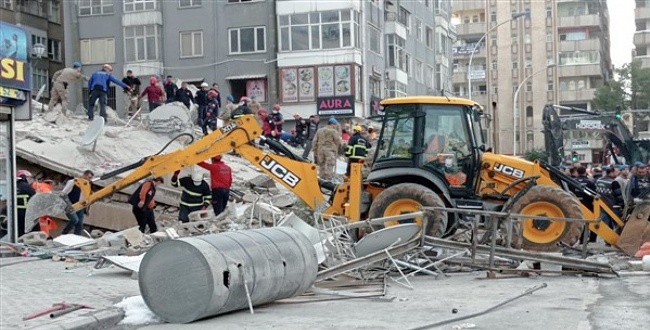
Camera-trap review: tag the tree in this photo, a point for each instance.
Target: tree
(536, 154)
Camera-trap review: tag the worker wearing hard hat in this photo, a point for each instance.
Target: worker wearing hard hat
(357, 148)
(60, 81)
(195, 196)
(98, 86)
(24, 193)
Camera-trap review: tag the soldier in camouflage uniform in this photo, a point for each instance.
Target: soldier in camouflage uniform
(227, 110)
(326, 145)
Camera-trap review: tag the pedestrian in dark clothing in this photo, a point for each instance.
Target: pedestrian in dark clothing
(301, 127)
(277, 117)
(215, 87)
(153, 93)
(211, 113)
(357, 149)
(170, 90)
(311, 132)
(220, 182)
(24, 193)
(195, 196)
(73, 194)
(143, 204)
(184, 95)
(201, 99)
(132, 98)
(586, 199)
(612, 193)
(269, 130)
(98, 86)
(242, 109)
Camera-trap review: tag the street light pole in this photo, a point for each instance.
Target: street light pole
(514, 108)
(471, 56)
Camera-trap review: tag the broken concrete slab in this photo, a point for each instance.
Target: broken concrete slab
(281, 200)
(130, 263)
(72, 240)
(169, 118)
(134, 236)
(37, 238)
(201, 215)
(261, 181)
(267, 213)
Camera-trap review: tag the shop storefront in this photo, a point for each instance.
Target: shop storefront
(15, 74)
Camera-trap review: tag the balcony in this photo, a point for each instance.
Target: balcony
(642, 13)
(579, 70)
(393, 27)
(580, 45)
(465, 51)
(461, 76)
(581, 95)
(471, 29)
(469, 5)
(642, 37)
(579, 21)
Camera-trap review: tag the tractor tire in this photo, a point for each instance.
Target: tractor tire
(409, 197)
(545, 235)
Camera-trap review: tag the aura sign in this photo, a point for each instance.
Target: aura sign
(335, 105)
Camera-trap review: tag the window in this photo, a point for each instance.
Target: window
(429, 37)
(375, 87)
(139, 5)
(191, 43)
(8, 4)
(247, 40)
(141, 43)
(407, 63)
(549, 86)
(189, 3)
(404, 18)
(374, 14)
(515, 64)
(418, 30)
(54, 50)
(396, 89)
(39, 78)
(529, 111)
(95, 7)
(237, 1)
(97, 51)
(39, 39)
(475, 19)
(573, 36)
(374, 36)
(549, 12)
(54, 13)
(397, 57)
(549, 37)
(529, 86)
(319, 30)
(34, 7)
(493, 16)
(428, 76)
(579, 57)
(527, 38)
(419, 68)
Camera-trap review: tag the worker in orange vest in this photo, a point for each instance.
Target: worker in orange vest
(45, 223)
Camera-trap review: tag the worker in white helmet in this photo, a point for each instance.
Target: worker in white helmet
(196, 194)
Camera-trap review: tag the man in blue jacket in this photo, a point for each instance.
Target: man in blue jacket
(98, 86)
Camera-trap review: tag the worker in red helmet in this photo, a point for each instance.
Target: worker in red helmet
(24, 193)
(220, 182)
(278, 120)
(211, 113)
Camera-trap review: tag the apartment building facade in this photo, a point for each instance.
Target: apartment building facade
(642, 33)
(327, 57)
(554, 52)
(44, 20)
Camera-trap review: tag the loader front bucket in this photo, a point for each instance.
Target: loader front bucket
(636, 230)
(43, 204)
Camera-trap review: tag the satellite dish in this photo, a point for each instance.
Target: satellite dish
(93, 132)
(381, 239)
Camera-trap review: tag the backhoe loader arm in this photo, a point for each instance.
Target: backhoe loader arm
(298, 176)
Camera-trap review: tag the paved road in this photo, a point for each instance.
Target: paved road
(567, 303)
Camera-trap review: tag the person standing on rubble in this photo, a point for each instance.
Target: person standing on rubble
(327, 143)
(60, 81)
(211, 113)
(220, 182)
(170, 90)
(301, 127)
(154, 94)
(143, 203)
(312, 128)
(132, 99)
(195, 196)
(24, 193)
(242, 109)
(255, 106)
(72, 194)
(226, 112)
(215, 87)
(277, 117)
(357, 148)
(201, 98)
(184, 95)
(98, 86)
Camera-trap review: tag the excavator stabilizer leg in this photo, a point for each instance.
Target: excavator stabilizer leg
(636, 230)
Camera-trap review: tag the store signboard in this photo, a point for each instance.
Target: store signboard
(335, 106)
(15, 71)
(256, 88)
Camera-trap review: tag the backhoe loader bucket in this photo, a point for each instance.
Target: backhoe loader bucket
(636, 230)
(43, 204)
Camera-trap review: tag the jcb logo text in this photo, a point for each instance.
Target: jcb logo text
(509, 170)
(280, 171)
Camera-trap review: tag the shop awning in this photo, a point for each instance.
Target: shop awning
(246, 77)
(193, 80)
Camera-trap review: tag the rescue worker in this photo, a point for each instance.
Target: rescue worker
(211, 113)
(196, 194)
(132, 98)
(60, 81)
(215, 87)
(184, 95)
(226, 112)
(357, 148)
(242, 109)
(201, 98)
(345, 132)
(143, 204)
(98, 86)
(170, 90)
(220, 182)
(372, 133)
(327, 143)
(73, 195)
(24, 193)
(612, 194)
(277, 117)
(301, 127)
(255, 106)
(45, 223)
(312, 128)
(154, 94)
(623, 179)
